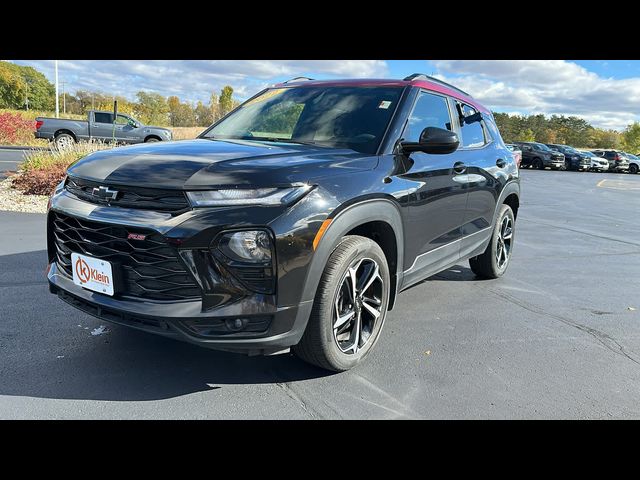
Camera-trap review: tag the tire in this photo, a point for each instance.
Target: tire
(333, 349)
(151, 139)
(64, 140)
(633, 168)
(537, 164)
(488, 264)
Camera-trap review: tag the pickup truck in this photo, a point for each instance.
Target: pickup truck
(98, 126)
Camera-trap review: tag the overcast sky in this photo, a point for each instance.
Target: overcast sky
(606, 93)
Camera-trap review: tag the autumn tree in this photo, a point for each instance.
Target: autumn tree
(225, 101)
(631, 138)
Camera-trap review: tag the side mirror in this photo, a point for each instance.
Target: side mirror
(433, 140)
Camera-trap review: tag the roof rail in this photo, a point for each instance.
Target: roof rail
(298, 79)
(422, 76)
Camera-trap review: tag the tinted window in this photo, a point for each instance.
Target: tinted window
(101, 117)
(472, 133)
(430, 111)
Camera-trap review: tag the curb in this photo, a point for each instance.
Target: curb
(14, 147)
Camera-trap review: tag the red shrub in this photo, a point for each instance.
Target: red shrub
(41, 181)
(14, 129)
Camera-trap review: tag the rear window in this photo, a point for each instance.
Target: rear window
(473, 134)
(101, 117)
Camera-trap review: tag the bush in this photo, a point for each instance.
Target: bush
(42, 170)
(15, 130)
(41, 181)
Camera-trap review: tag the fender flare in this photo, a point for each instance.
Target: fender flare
(374, 210)
(512, 187)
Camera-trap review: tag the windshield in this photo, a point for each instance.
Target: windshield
(541, 146)
(348, 117)
(631, 156)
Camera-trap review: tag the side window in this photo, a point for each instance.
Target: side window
(101, 117)
(429, 111)
(473, 134)
(122, 120)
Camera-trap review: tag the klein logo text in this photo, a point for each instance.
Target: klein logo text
(86, 273)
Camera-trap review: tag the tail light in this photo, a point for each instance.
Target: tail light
(39, 124)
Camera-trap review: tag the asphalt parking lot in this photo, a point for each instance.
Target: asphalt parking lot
(557, 337)
(9, 160)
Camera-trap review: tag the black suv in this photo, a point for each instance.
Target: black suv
(292, 222)
(618, 162)
(539, 156)
(573, 159)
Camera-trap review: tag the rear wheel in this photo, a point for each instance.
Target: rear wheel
(349, 308)
(64, 140)
(495, 259)
(537, 164)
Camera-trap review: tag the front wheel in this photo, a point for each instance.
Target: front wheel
(633, 168)
(349, 307)
(151, 139)
(537, 164)
(495, 259)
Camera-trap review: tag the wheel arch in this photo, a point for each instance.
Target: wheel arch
(64, 130)
(378, 219)
(153, 135)
(510, 195)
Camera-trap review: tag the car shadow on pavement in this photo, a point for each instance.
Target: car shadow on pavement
(51, 350)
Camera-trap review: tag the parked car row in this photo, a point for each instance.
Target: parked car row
(564, 157)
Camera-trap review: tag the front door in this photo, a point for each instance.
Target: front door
(437, 206)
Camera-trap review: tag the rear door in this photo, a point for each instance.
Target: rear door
(102, 126)
(437, 206)
(487, 162)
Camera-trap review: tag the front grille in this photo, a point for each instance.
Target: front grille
(149, 268)
(130, 197)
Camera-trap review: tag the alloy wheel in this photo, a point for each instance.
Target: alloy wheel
(503, 245)
(358, 305)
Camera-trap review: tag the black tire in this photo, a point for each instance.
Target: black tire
(64, 140)
(320, 343)
(488, 264)
(633, 168)
(537, 164)
(151, 139)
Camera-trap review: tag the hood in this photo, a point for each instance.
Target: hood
(157, 128)
(200, 164)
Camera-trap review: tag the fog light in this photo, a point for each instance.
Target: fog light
(236, 324)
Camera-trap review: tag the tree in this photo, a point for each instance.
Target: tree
(12, 86)
(631, 138)
(204, 115)
(526, 135)
(226, 100)
(152, 108)
(41, 92)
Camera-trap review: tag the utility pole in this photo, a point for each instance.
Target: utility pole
(64, 99)
(26, 94)
(57, 99)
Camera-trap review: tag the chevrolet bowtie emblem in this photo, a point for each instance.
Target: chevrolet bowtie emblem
(104, 193)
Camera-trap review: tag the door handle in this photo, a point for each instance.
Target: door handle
(459, 167)
(501, 163)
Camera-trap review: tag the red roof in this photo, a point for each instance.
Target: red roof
(371, 82)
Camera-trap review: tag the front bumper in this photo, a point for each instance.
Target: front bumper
(285, 325)
(273, 321)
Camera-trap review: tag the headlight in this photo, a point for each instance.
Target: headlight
(245, 196)
(246, 246)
